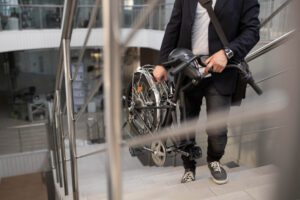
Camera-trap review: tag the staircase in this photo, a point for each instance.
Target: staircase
(154, 183)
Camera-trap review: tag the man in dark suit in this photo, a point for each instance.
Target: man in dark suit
(190, 28)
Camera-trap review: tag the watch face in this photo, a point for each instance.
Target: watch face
(229, 53)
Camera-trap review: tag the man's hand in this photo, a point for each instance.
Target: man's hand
(160, 73)
(216, 62)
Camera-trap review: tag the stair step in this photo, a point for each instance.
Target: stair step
(240, 182)
(164, 180)
(240, 195)
(163, 183)
(201, 193)
(149, 172)
(264, 192)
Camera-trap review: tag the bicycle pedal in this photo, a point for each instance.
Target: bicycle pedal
(195, 153)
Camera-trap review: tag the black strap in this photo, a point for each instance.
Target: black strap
(207, 4)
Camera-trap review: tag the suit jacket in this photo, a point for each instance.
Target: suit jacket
(239, 20)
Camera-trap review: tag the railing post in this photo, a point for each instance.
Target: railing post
(57, 152)
(62, 143)
(112, 96)
(70, 116)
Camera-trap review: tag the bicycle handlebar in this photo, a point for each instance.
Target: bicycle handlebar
(246, 76)
(255, 87)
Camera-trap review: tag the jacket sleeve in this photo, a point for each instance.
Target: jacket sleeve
(171, 35)
(248, 30)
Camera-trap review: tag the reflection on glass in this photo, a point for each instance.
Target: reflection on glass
(14, 16)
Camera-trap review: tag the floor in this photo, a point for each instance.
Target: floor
(25, 187)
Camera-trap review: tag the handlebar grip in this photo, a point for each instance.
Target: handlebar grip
(178, 69)
(255, 87)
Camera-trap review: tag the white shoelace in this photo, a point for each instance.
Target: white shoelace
(188, 177)
(216, 166)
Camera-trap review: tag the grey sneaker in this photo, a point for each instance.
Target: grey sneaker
(218, 173)
(188, 176)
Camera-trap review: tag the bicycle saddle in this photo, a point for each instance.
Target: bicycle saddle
(180, 55)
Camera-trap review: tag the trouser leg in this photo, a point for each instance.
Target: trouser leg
(217, 136)
(193, 102)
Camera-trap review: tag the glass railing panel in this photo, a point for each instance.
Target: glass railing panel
(20, 17)
(157, 20)
(83, 14)
(51, 17)
(280, 24)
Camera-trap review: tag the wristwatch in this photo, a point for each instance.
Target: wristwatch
(229, 53)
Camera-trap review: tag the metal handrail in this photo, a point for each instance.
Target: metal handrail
(270, 46)
(64, 59)
(57, 144)
(62, 143)
(70, 117)
(27, 126)
(125, 145)
(254, 114)
(68, 17)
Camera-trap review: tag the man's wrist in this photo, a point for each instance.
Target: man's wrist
(228, 52)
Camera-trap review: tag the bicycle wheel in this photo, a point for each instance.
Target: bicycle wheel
(144, 115)
(141, 96)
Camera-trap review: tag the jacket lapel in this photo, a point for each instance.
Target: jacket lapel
(193, 7)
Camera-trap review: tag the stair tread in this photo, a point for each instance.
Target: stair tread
(163, 183)
(150, 187)
(240, 195)
(265, 192)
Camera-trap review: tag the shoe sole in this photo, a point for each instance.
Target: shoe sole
(187, 181)
(218, 181)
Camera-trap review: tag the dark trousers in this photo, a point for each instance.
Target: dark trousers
(215, 102)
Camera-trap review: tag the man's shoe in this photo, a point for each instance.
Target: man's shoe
(188, 176)
(218, 173)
